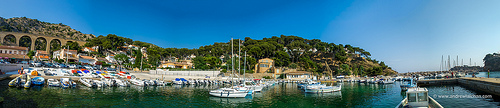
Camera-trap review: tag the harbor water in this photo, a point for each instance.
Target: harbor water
(285, 95)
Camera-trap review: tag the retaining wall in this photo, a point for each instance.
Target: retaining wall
(12, 67)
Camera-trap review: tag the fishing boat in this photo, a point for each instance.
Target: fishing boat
(38, 81)
(228, 93)
(406, 86)
(53, 82)
(418, 98)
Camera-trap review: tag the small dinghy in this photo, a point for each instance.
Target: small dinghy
(53, 83)
(21, 81)
(38, 81)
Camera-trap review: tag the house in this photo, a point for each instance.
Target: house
(86, 60)
(89, 50)
(64, 53)
(298, 75)
(182, 65)
(264, 65)
(13, 53)
(111, 58)
(13, 50)
(42, 55)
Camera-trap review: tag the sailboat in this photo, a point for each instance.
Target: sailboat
(233, 91)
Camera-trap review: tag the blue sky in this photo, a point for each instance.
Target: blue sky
(409, 35)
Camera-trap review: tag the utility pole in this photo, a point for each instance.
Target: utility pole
(67, 56)
(141, 62)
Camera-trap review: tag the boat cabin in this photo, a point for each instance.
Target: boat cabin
(417, 97)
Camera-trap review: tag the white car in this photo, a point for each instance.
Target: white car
(88, 67)
(72, 66)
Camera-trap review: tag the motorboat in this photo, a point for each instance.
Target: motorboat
(177, 81)
(65, 83)
(88, 82)
(53, 83)
(21, 81)
(321, 88)
(121, 83)
(14, 82)
(418, 98)
(38, 81)
(228, 93)
(387, 81)
(138, 82)
(408, 85)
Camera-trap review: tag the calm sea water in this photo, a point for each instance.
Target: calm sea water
(280, 95)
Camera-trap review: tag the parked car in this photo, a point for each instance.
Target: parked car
(88, 67)
(49, 65)
(36, 64)
(61, 66)
(72, 66)
(110, 69)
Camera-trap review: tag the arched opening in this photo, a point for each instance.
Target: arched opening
(40, 43)
(25, 41)
(55, 44)
(9, 40)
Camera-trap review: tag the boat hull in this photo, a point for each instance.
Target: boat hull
(229, 94)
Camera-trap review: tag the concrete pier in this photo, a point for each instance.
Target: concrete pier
(437, 82)
(488, 85)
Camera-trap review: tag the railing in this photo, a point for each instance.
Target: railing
(434, 103)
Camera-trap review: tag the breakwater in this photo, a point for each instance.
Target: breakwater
(488, 85)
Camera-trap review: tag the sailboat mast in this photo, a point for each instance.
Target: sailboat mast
(239, 58)
(232, 59)
(245, 66)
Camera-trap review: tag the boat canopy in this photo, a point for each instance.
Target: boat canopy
(98, 72)
(86, 71)
(78, 71)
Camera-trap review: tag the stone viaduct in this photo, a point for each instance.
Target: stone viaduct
(33, 38)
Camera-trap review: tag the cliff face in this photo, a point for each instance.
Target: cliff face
(492, 62)
(33, 26)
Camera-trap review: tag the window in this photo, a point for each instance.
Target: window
(10, 52)
(264, 65)
(422, 97)
(412, 97)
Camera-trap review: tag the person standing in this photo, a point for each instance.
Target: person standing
(488, 73)
(22, 70)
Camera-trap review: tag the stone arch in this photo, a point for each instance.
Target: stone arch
(55, 44)
(25, 41)
(40, 43)
(9, 40)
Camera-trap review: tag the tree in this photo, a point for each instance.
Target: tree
(73, 46)
(31, 54)
(199, 62)
(121, 58)
(282, 58)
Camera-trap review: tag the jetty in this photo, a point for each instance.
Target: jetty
(488, 85)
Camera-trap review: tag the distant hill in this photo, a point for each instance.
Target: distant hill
(492, 62)
(33, 26)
